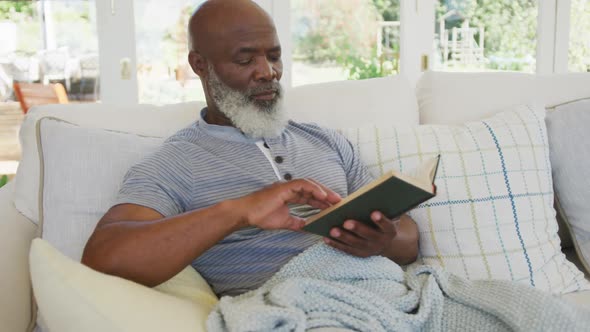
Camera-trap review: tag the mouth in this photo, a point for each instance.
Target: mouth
(265, 95)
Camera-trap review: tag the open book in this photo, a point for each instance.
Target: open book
(393, 194)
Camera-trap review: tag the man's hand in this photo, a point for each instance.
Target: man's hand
(361, 240)
(267, 208)
(394, 239)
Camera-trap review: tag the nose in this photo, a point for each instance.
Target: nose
(265, 71)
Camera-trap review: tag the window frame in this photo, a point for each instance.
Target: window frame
(116, 27)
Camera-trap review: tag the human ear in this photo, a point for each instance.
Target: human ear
(198, 63)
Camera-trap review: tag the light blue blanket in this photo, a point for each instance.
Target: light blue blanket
(323, 287)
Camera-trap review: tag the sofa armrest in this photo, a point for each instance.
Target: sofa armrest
(16, 234)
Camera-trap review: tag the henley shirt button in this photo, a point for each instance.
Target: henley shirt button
(288, 176)
(279, 159)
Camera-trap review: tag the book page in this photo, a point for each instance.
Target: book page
(423, 175)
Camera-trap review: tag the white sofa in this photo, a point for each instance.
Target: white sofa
(445, 98)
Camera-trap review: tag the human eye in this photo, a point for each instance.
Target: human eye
(244, 62)
(274, 57)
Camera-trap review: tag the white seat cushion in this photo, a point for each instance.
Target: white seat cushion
(352, 103)
(454, 98)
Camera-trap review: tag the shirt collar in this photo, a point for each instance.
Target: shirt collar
(223, 132)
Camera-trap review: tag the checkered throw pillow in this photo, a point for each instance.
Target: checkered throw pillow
(493, 216)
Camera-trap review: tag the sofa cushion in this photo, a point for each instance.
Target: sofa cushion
(569, 140)
(82, 170)
(493, 216)
(72, 297)
(155, 121)
(453, 98)
(16, 233)
(349, 103)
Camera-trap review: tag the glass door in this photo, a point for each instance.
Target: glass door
(579, 44)
(476, 35)
(44, 41)
(163, 73)
(337, 40)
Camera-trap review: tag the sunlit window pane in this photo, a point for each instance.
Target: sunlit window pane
(163, 73)
(344, 39)
(476, 35)
(579, 50)
(49, 42)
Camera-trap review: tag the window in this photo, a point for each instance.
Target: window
(344, 39)
(49, 41)
(486, 35)
(163, 73)
(579, 48)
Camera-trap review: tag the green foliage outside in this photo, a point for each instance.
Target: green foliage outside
(330, 30)
(361, 67)
(73, 23)
(389, 9)
(14, 9)
(3, 180)
(23, 14)
(510, 29)
(174, 41)
(343, 32)
(579, 51)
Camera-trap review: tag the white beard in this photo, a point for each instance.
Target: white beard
(254, 119)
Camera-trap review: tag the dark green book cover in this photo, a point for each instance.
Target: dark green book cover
(390, 194)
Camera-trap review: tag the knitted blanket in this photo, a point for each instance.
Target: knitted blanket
(323, 287)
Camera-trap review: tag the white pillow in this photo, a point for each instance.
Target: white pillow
(353, 103)
(569, 140)
(83, 169)
(72, 297)
(493, 216)
(155, 121)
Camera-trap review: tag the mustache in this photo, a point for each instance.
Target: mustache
(272, 86)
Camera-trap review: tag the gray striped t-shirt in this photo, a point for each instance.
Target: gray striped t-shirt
(204, 164)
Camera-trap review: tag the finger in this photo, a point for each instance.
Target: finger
(318, 204)
(362, 230)
(301, 191)
(347, 249)
(314, 203)
(385, 224)
(348, 238)
(332, 196)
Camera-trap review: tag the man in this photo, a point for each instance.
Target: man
(218, 194)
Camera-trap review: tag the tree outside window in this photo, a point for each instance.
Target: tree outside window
(486, 35)
(579, 50)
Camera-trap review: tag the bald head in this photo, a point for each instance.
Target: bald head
(216, 20)
(235, 51)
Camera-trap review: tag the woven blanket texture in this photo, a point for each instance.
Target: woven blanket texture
(323, 287)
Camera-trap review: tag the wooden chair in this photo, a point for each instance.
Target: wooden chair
(32, 94)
